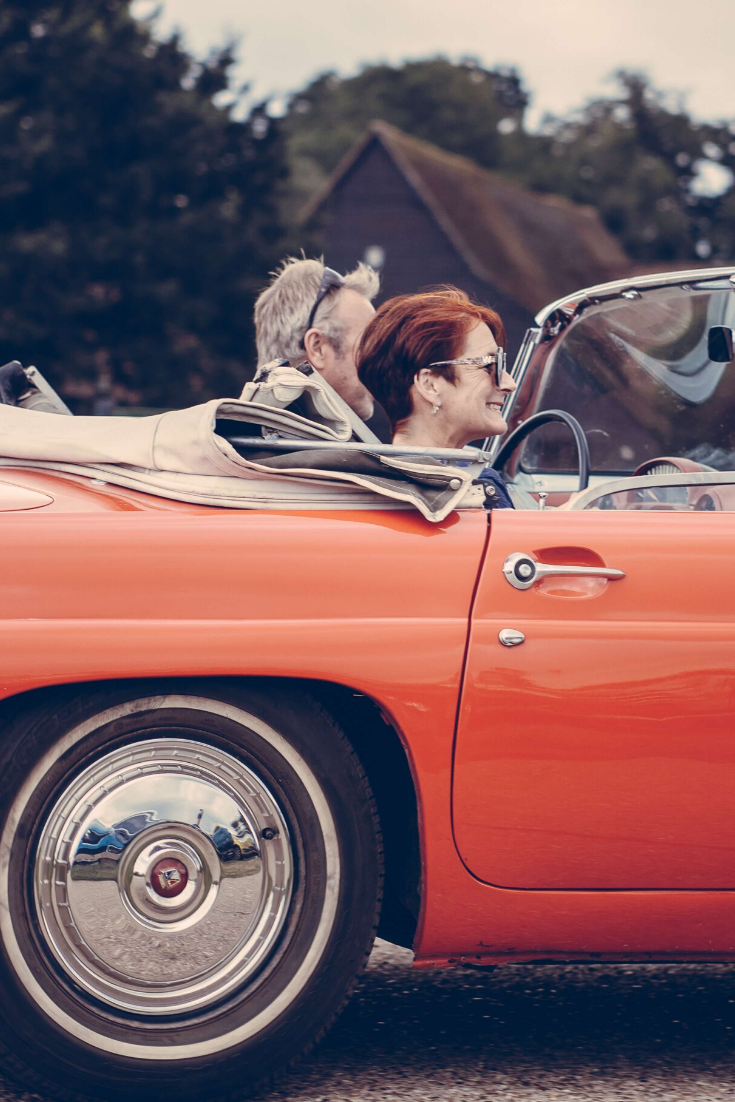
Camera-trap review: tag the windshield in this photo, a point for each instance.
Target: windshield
(636, 375)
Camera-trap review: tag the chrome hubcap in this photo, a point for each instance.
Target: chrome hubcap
(167, 877)
(163, 876)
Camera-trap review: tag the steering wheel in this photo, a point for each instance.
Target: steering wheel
(511, 442)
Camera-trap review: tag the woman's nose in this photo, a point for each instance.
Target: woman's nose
(507, 383)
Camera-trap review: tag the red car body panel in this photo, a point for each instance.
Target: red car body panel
(600, 753)
(94, 588)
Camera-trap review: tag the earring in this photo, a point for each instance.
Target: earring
(435, 408)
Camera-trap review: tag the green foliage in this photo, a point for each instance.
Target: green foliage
(456, 106)
(637, 161)
(136, 216)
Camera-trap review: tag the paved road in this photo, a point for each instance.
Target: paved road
(519, 1034)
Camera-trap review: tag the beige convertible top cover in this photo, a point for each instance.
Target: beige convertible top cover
(181, 455)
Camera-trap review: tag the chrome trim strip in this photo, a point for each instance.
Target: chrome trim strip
(648, 481)
(530, 342)
(616, 287)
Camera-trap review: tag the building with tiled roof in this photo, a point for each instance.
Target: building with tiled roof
(427, 217)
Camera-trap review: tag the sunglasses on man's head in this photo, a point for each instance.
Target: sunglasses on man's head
(330, 279)
(494, 363)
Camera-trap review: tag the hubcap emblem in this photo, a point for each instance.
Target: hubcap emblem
(169, 877)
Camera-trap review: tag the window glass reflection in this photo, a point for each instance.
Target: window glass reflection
(636, 374)
(714, 498)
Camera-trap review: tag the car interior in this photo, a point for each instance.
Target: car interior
(627, 404)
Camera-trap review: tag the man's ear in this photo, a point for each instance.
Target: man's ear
(315, 346)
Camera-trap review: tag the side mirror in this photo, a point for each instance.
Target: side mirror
(721, 344)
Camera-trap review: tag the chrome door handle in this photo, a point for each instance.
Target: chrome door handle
(522, 571)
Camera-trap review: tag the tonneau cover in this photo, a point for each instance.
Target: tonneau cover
(185, 454)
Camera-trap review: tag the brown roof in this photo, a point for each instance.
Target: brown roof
(533, 248)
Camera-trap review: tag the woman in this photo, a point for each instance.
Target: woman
(434, 362)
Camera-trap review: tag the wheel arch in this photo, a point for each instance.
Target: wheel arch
(378, 743)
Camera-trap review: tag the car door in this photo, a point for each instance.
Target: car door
(599, 753)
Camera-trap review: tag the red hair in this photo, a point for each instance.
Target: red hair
(410, 332)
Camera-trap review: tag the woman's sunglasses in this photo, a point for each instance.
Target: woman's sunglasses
(494, 364)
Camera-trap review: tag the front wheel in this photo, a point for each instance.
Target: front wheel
(189, 886)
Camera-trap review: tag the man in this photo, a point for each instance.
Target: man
(310, 312)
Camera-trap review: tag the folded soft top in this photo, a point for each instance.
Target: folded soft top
(190, 455)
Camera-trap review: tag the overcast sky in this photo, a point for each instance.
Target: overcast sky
(565, 49)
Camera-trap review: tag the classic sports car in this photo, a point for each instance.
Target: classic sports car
(493, 735)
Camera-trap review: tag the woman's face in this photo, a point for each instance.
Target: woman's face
(470, 406)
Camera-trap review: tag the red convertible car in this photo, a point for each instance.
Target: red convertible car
(238, 742)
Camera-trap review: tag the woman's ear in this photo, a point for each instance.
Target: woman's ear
(427, 387)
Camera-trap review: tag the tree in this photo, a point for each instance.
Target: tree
(137, 218)
(662, 183)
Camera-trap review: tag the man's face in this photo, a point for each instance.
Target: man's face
(352, 312)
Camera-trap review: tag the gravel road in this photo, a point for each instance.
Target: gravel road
(647, 1032)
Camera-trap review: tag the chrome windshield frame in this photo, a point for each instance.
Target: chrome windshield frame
(551, 320)
(491, 444)
(570, 304)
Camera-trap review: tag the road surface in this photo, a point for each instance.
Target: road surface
(519, 1034)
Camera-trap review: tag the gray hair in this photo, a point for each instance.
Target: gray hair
(282, 310)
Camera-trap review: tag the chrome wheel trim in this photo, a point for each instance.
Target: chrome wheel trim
(155, 811)
(189, 1050)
